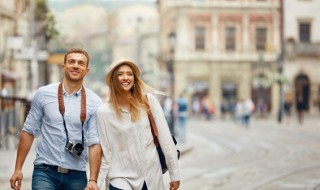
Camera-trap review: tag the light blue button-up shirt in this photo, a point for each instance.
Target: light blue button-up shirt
(44, 118)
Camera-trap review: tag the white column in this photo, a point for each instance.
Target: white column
(245, 30)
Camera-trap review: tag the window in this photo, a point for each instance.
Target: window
(230, 38)
(200, 37)
(261, 38)
(304, 32)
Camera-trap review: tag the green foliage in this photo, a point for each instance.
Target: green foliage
(43, 14)
(50, 27)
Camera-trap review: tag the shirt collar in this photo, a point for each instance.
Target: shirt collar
(78, 93)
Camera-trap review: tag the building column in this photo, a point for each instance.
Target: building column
(215, 86)
(245, 33)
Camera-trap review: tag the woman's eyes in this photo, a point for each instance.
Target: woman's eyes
(121, 74)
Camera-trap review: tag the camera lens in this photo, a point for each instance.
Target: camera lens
(78, 147)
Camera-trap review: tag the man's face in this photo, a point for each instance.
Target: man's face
(75, 68)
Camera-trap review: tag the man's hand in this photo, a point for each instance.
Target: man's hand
(174, 185)
(92, 185)
(16, 180)
(24, 146)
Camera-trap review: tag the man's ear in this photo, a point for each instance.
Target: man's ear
(87, 71)
(62, 66)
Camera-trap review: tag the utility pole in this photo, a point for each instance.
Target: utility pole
(170, 65)
(281, 60)
(33, 66)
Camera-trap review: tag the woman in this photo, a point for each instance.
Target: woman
(130, 160)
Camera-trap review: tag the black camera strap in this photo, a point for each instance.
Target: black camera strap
(83, 113)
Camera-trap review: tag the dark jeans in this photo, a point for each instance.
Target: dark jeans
(47, 177)
(143, 188)
(246, 120)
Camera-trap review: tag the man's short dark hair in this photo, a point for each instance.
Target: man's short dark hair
(77, 50)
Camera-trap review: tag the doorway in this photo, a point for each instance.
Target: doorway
(302, 87)
(229, 97)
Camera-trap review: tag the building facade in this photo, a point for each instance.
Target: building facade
(302, 65)
(23, 48)
(13, 19)
(226, 50)
(13, 76)
(134, 35)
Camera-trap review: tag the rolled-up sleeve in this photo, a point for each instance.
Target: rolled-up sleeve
(34, 119)
(92, 133)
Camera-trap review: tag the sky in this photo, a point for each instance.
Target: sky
(61, 5)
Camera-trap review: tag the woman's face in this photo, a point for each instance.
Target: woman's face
(125, 77)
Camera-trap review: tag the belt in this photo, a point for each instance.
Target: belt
(61, 169)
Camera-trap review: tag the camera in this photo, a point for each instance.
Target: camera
(75, 149)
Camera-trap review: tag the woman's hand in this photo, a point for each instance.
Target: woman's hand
(174, 185)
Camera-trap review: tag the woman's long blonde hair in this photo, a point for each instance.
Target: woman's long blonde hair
(137, 99)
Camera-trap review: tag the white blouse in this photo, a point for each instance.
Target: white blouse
(129, 156)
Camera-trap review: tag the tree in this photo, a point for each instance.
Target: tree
(46, 24)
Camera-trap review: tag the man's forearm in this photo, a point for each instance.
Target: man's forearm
(95, 153)
(25, 144)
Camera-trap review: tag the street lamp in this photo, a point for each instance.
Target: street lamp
(170, 68)
(172, 44)
(262, 80)
(281, 62)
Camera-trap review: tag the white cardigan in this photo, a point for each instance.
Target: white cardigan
(129, 155)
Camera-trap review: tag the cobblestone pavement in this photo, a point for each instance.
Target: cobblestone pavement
(265, 156)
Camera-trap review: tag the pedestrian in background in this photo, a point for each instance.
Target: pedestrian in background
(169, 113)
(130, 160)
(65, 116)
(300, 108)
(261, 107)
(207, 108)
(196, 107)
(287, 109)
(247, 110)
(223, 109)
(182, 104)
(239, 111)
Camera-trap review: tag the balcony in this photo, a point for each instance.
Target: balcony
(303, 49)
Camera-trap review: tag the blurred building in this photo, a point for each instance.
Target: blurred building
(302, 65)
(14, 17)
(14, 27)
(23, 46)
(82, 25)
(86, 26)
(134, 35)
(24, 29)
(225, 49)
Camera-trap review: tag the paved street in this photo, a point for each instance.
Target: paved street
(266, 156)
(228, 156)
(8, 158)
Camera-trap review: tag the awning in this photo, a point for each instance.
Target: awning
(56, 58)
(8, 76)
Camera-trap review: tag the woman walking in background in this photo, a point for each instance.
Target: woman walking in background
(130, 160)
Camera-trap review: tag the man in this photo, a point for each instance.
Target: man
(65, 116)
